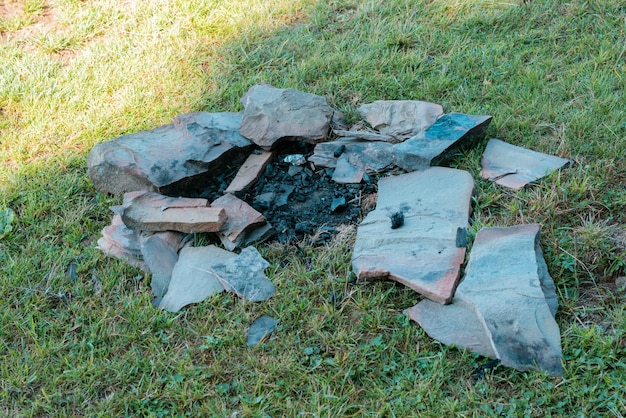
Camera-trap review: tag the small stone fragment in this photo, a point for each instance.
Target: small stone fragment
(121, 242)
(397, 220)
(346, 173)
(369, 157)
(400, 118)
(260, 329)
(505, 306)
(451, 133)
(192, 278)
(272, 114)
(249, 172)
(338, 204)
(244, 276)
(160, 255)
(514, 167)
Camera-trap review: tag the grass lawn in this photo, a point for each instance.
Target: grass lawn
(78, 335)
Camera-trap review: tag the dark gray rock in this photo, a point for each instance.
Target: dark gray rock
(272, 114)
(451, 133)
(400, 119)
(505, 306)
(160, 257)
(422, 253)
(165, 159)
(260, 329)
(514, 167)
(244, 276)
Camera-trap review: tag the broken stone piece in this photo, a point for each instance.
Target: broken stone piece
(249, 172)
(244, 276)
(260, 329)
(150, 211)
(345, 172)
(451, 133)
(272, 114)
(421, 254)
(121, 242)
(244, 225)
(366, 136)
(505, 306)
(400, 118)
(160, 253)
(192, 278)
(164, 159)
(514, 167)
(369, 157)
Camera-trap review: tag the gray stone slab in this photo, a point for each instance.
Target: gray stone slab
(451, 133)
(423, 252)
(370, 157)
(400, 118)
(508, 291)
(192, 277)
(345, 172)
(272, 114)
(260, 329)
(244, 275)
(149, 211)
(160, 257)
(514, 167)
(195, 145)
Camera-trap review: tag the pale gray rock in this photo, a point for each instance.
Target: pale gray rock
(192, 277)
(400, 119)
(345, 172)
(514, 167)
(505, 306)
(160, 256)
(272, 114)
(422, 253)
(369, 157)
(260, 329)
(165, 159)
(450, 134)
(244, 275)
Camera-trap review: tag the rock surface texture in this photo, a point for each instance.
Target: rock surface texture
(514, 167)
(451, 133)
(244, 275)
(163, 159)
(505, 306)
(422, 253)
(192, 280)
(400, 119)
(272, 114)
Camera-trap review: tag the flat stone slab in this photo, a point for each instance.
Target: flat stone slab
(272, 114)
(192, 278)
(260, 329)
(400, 119)
(514, 167)
(505, 306)
(369, 157)
(422, 253)
(244, 225)
(249, 172)
(121, 242)
(195, 145)
(150, 211)
(244, 275)
(451, 133)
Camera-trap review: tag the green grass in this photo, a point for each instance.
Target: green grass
(73, 74)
